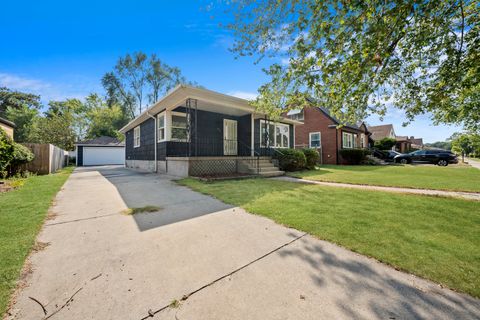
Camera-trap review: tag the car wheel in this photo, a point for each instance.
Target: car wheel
(442, 163)
(403, 161)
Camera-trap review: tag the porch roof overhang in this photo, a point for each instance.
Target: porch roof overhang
(206, 100)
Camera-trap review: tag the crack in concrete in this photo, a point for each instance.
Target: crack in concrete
(188, 295)
(83, 219)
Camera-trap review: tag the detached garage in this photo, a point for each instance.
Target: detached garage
(100, 151)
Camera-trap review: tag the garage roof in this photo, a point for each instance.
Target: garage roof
(102, 141)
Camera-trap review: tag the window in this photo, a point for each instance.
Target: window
(355, 140)
(267, 136)
(179, 126)
(136, 137)
(362, 140)
(315, 140)
(282, 135)
(161, 127)
(347, 140)
(274, 134)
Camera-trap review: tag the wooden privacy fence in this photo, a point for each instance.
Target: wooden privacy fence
(48, 158)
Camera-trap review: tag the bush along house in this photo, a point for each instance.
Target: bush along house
(322, 131)
(197, 132)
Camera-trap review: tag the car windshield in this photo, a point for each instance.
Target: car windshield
(414, 153)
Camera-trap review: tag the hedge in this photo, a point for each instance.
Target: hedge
(312, 157)
(12, 155)
(353, 156)
(291, 159)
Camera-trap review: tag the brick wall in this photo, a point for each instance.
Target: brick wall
(317, 121)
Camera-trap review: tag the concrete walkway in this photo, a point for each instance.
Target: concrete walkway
(473, 163)
(455, 194)
(224, 262)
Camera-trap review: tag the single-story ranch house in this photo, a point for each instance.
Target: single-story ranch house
(197, 132)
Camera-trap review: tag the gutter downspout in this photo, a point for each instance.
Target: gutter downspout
(155, 142)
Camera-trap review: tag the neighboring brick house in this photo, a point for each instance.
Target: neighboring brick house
(7, 126)
(404, 143)
(321, 130)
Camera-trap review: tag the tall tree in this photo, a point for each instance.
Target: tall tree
(136, 78)
(55, 129)
(23, 116)
(356, 57)
(104, 120)
(17, 100)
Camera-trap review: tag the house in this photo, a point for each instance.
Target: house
(324, 132)
(100, 151)
(403, 143)
(8, 126)
(197, 132)
(382, 131)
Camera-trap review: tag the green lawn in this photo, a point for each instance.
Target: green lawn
(436, 238)
(457, 178)
(22, 213)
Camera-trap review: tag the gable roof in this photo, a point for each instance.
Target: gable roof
(417, 141)
(325, 111)
(102, 141)
(8, 123)
(382, 131)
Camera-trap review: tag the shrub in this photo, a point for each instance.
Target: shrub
(6, 152)
(290, 159)
(385, 144)
(353, 156)
(21, 155)
(311, 156)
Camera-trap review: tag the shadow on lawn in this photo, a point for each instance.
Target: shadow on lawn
(360, 284)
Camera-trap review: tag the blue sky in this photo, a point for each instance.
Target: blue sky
(61, 49)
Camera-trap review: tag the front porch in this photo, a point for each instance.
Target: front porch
(221, 166)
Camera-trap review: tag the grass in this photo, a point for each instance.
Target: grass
(435, 238)
(22, 212)
(131, 211)
(453, 178)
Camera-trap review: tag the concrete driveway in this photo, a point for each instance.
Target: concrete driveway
(223, 262)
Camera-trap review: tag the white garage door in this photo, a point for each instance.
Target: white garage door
(94, 156)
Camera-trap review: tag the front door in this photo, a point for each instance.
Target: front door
(230, 144)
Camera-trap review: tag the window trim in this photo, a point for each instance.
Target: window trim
(319, 139)
(162, 115)
(362, 140)
(136, 136)
(171, 127)
(273, 144)
(345, 144)
(355, 141)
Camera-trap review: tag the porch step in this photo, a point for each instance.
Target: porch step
(265, 167)
(272, 173)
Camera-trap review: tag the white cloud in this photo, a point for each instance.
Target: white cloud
(19, 83)
(74, 87)
(244, 95)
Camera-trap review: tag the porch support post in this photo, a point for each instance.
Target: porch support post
(252, 139)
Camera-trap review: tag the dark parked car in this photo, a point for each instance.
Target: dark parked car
(385, 155)
(439, 157)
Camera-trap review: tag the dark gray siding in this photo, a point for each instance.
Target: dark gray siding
(208, 140)
(79, 156)
(145, 151)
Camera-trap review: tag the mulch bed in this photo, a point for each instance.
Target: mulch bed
(5, 187)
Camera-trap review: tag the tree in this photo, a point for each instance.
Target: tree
(104, 120)
(445, 145)
(356, 57)
(55, 127)
(463, 144)
(385, 144)
(73, 108)
(17, 100)
(136, 77)
(23, 116)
